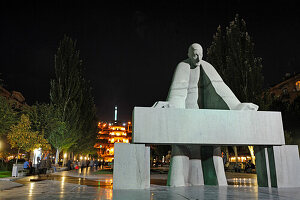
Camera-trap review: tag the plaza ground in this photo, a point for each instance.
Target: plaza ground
(88, 185)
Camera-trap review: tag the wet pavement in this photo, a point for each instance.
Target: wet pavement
(87, 185)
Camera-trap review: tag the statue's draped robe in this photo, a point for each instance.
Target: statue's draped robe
(203, 88)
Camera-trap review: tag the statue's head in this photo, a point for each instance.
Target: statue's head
(195, 54)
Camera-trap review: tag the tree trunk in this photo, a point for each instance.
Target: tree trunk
(235, 153)
(57, 156)
(17, 156)
(251, 149)
(65, 157)
(227, 153)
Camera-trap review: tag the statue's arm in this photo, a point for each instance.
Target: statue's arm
(178, 89)
(222, 90)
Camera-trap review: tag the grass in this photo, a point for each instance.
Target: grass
(4, 174)
(104, 171)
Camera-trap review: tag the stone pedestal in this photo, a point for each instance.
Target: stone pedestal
(131, 166)
(14, 171)
(278, 166)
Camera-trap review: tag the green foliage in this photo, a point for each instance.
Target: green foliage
(47, 119)
(290, 112)
(1, 82)
(232, 54)
(22, 137)
(70, 94)
(159, 150)
(7, 116)
(4, 174)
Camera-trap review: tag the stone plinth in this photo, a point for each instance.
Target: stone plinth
(131, 166)
(206, 127)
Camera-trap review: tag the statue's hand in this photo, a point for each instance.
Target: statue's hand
(247, 106)
(162, 104)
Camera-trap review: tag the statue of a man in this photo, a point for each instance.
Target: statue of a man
(196, 85)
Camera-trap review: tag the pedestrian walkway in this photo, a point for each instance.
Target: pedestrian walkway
(87, 185)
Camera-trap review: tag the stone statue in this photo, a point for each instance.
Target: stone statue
(197, 85)
(192, 134)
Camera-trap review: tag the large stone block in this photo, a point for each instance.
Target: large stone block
(206, 126)
(287, 165)
(278, 166)
(131, 166)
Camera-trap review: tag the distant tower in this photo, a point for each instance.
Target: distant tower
(116, 113)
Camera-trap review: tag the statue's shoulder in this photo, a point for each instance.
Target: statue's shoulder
(206, 65)
(210, 71)
(183, 66)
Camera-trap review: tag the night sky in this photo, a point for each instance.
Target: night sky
(130, 51)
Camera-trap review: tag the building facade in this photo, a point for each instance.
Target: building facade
(288, 89)
(108, 135)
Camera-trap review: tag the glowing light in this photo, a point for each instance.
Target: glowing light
(80, 157)
(84, 158)
(65, 155)
(129, 122)
(298, 85)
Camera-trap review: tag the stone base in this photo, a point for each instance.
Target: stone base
(191, 166)
(278, 166)
(287, 165)
(131, 166)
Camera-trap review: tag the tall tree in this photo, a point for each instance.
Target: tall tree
(8, 116)
(232, 54)
(70, 93)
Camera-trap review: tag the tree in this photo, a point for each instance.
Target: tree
(45, 118)
(22, 137)
(232, 54)
(7, 116)
(70, 94)
(1, 82)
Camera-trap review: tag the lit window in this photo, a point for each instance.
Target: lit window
(298, 85)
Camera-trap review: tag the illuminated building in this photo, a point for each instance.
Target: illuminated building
(14, 98)
(110, 133)
(287, 90)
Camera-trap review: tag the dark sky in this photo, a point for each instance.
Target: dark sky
(130, 51)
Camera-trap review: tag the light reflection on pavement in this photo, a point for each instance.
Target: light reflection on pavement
(76, 185)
